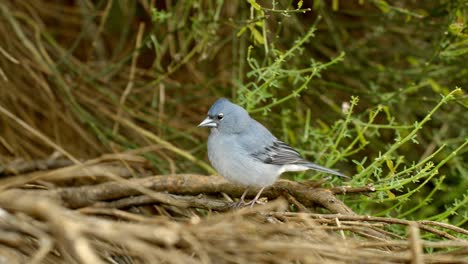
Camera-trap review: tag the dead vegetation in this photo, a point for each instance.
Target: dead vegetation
(121, 208)
(185, 219)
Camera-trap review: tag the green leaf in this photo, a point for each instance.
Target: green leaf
(390, 165)
(255, 5)
(383, 5)
(241, 31)
(456, 49)
(257, 36)
(299, 4)
(391, 195)
(335, 5)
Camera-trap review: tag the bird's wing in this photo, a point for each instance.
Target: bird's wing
(279, 153)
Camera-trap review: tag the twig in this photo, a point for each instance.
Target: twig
(131, 78)
(444, 225)
(170, 199)
(415, 246)
(26, 226)
(119, 214)
(215, 238)
(189, 184)
(347, 189)
(298, 204)
(388, 220)
(20, 167)
(38, 134)
(67, 232)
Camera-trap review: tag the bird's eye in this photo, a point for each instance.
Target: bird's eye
(220, 116)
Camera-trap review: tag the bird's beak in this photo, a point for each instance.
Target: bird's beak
(208, 122)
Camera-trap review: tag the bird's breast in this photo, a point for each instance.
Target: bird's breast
(232, 161)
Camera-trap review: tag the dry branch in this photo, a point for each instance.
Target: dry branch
(179, 234)
(188, 184)
(107, 210)
(423, 225)
(239, 236)
(20, 167)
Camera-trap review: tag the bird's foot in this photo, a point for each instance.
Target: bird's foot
(256, 200)
(239, 204)
(251, 203)
(261, 201)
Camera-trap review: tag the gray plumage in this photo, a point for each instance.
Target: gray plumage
(244, 151)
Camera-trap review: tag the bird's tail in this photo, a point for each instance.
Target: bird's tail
(316, 167)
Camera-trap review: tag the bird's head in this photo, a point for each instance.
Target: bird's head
(226, 117)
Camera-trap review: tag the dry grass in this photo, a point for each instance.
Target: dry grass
(60, 108)
(110, 224)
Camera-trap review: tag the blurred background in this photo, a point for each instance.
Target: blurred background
(374, 88)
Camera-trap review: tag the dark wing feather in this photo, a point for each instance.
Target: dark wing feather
(279, 153)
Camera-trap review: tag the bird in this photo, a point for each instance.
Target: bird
(245, 152)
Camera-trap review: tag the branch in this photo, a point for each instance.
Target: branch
(188, 184)
(20, 167)
(347, 189)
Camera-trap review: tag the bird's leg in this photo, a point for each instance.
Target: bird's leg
(243, 196)
(241, 201)
(255, 200)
